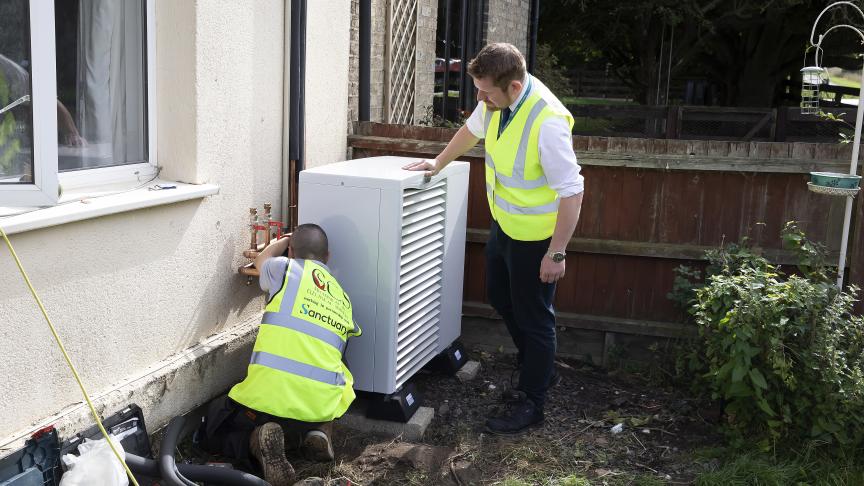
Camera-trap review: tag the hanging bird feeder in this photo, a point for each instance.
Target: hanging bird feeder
(812, 79)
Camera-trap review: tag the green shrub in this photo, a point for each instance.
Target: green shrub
(782, 352)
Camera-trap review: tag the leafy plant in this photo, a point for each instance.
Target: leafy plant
(9, 144)
(847, 129)
(430, 119)
(553, 75)
(782, 352)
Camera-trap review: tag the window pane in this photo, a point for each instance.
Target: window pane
(16, 113)
(101, 73)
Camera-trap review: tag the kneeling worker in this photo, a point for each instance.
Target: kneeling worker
(296, 383)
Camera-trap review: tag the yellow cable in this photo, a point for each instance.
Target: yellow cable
(66, 356)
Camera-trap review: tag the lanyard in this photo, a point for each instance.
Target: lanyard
(513, 113)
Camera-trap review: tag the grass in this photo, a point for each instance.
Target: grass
(573, 100)
(842, 81)
(811, 466)
(451, 94)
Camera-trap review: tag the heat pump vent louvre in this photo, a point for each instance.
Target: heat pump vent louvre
(408, 327)
(428, 286)
(416, 363)
(423, 196)
(419, 190)
(412, 335)
(421, 261)
(411, 229)
(417, 207)
(418, 348)
(428, 241)
(422, 215)
(408, 238)
(413, 283)
(418, 299)
(418, 272)
(425, 253)
(418, 312)
(419, 267)
(409, 320)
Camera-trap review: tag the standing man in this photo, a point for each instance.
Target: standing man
(534, 189)
(296, 383)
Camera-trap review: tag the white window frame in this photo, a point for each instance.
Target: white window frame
(47, 180)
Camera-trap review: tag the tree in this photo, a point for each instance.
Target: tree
(747, 48)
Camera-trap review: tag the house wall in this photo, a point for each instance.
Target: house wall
(327, 61)
(149, 302)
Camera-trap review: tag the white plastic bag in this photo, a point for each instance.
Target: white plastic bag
(96, 464)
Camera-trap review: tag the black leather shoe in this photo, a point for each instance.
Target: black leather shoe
(521, 416)
(513, 394)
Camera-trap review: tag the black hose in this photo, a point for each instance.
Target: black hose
(196, 472)
(167, 467)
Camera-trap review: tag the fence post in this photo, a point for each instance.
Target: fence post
(856, 252)
(780, 123)
(672, 121)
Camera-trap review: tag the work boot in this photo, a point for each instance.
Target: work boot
(512, 394)
(520, 417)
(267, 445)
(317, 446)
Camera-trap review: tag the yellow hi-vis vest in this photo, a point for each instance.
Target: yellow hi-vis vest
(520, 199)
(296, 370)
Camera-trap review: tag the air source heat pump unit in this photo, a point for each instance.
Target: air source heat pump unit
(397, 246)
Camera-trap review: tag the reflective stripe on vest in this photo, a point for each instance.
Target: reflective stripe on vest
(514, 209)
(307, 328)
(297, 368)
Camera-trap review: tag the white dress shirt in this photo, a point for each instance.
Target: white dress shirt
(555, 142)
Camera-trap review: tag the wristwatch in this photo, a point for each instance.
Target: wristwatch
(556, 256)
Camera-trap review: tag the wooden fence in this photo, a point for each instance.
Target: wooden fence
(707, 122)
(651, 205)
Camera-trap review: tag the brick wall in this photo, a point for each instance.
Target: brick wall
(427, 14)
(508, 22)
(379, 29)
(427, 23)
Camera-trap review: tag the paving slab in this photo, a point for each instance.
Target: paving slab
(411, 431)
(468, 371)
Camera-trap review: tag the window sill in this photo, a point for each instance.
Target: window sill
(102, 202)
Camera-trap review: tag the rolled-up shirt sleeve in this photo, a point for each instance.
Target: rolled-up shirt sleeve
(475, 122)
(272, 275)
(560, 166)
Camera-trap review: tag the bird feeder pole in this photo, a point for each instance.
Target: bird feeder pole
(853, 166)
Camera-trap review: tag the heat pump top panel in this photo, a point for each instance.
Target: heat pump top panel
(377, 172)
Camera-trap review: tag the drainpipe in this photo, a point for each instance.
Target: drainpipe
(533, 25)
(296, 68)
(463, 78)
(445, 95)
(365, 60)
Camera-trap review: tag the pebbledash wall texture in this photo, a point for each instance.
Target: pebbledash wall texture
(427, 15)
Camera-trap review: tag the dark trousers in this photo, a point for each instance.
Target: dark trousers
(525, 303)
(228, 425)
